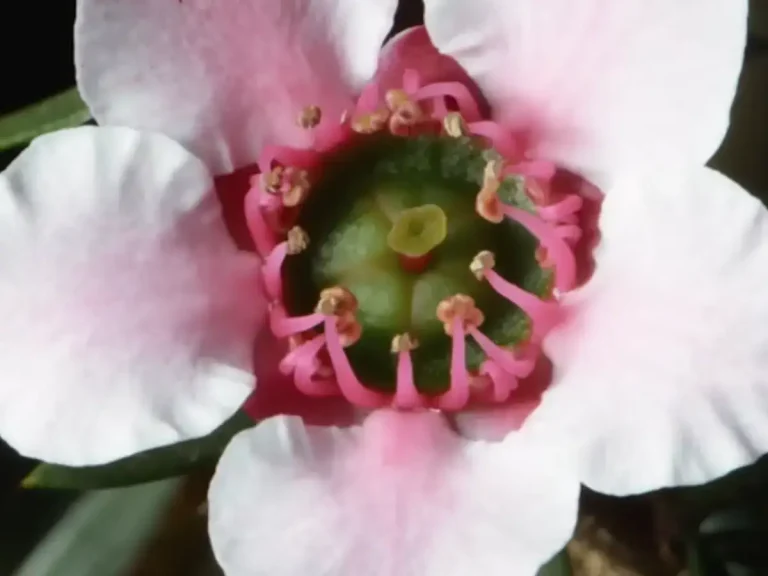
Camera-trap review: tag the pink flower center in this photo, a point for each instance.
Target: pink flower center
(512, 190)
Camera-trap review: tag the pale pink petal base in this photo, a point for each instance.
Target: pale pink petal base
(400, 495)
(661, 372)
(225, 78)
(128, 317)
(602, 87)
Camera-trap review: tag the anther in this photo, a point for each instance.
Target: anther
(336, 301)
(395, 99)
(297, 240)
(404, 342)
(454, 125)
(310, 117)
(370, 123)
(484, 261)
(461, 307)
(487, 203)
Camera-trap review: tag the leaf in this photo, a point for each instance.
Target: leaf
(65, 110)
(165, 462)
(560, 565)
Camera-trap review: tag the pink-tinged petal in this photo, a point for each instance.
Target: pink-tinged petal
(128, 316)
(225, 78)
(400, 495)
(412, 49)
(601, 86)
(661, 372)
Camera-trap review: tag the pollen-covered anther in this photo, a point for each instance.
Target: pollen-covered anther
(454, 125)
(297, 240)
(462, 307)
(487, 203)
(405, 112)
(370, 123)
(336, 301)
(481, 263)
(292, 184)
(310, 117)
(404, 342)
(349, 328)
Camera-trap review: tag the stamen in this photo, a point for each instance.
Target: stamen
(395, 99)
(559, 211)
(543, 315)
(310, 117)
(503, 382)
(370, 123)
(458, 91)
(461, 307)
(295, 343)
(498, 136)
(346, 379)
(263, 237)
(308, 368)
(503, 357)
(291, 184)
(297, 242)
(487, 202)
(458, 394)
(541, 169)
(558, 250)
(454, 125)
(406, 394)
(283, 325)
(336, 300)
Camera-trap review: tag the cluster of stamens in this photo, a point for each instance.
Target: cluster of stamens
(316, 358)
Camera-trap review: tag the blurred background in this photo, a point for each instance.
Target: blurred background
(159, 528)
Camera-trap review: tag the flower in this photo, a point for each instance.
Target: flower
(130, 315)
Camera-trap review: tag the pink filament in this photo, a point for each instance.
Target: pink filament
(503, 358)
(273, 282)
(347, 381)
(406, 394)
(561, 210)
(499, 137)
(306, 370)
(457, 90)
(283, 325)
(503, 382)
(541, 169)
(543, 314)
(558, 250)
(458, 394)
(262, 236)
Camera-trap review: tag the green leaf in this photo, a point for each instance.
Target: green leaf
(165, 462)
(560, 565)
(64, 110)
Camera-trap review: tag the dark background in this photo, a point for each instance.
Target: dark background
(36, 53)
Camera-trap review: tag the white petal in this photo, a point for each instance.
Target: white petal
(661, 374)
(400, 495)
(127, 315)
(602, 85)
(225, 77)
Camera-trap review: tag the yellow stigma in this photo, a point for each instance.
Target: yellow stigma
(417, 231)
